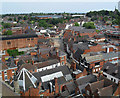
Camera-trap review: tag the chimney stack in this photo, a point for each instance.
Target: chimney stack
(16, 61)
(56, 86)
(73, 65)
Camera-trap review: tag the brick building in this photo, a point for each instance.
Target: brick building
(8, 70)
(18, 41)
(17, 30)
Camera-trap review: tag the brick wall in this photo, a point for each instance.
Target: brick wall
(8, 73)
(18, 43)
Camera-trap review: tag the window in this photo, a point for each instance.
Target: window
(9, 43)
(13, 71)
(62, 62)
(32, 38)
(88, 92)
(62, 58)
(5, 77)
(96, 69)
(112, 79)
(28, 39)
(5, 72)
(98, 63)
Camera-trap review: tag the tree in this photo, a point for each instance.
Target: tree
(89, 25)
(25, 17)
(10, 19)
(19, 18)
(76, 24)
(6, 25)
(14, 19)
(9, 32)
(14, 52)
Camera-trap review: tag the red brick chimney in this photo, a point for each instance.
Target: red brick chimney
(39, 85)
(56, 86)
(16, 61)
(73, 65)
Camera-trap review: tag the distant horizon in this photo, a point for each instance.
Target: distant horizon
(55, 7)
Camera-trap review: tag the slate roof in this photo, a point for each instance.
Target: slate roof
(26, 57)
(20, 36)
(8, 64)
(112, 69)
(108, 82)
(82, 46)
(93, 58)
(86, 79)
(71, 87)
(46, 63)
(96, 85)
(60, 81)
(43, 40)
(77, 54)
(99, 36)
(64, 69)
(106, 91)
(110, 55)
(7, 91)
(27, 66)
(81, 29)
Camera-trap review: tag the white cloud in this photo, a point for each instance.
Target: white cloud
(59, 0)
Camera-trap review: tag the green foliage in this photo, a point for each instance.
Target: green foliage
(93, 18)
(97, 31)
(43, 23)
(80, 36)
(14, 19)
(6, 25)
(19, 18)
(21, 22)
(10, 19)
(98, 13)
(89, 25)
(25, 17)
(113, 16)
(14, 52)
(9, 32)
(76, 24)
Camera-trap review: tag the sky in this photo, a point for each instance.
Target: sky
(59, 0)
(55, 7)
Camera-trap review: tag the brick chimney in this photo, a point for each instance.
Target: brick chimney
(16, 61)
(39, 86)
(56, 86)
(73, 65)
